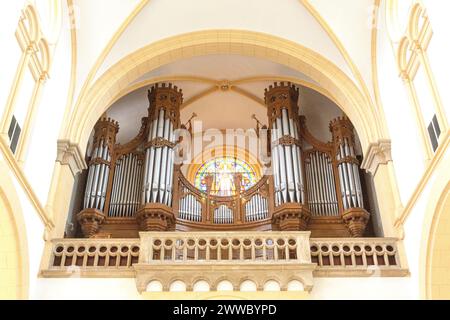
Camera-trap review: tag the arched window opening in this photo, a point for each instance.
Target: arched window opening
(223, 172)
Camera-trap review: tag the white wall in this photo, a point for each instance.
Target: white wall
(406, 144)
(41, 154)
(324, 288)
(9, 17)
(161, 19)
(86, 289)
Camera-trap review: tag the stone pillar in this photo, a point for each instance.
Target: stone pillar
(156, 213)
(290, 210)
(354, 215)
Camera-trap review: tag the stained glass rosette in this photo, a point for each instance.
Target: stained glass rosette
(223, 171)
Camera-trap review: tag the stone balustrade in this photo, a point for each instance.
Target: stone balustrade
(93, 257)
(213, 257)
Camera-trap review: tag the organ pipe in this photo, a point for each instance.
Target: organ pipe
(348, 165)
(137, 179)
(291, 212)
(321, 185)
(125, 197)
(93, 215)
(105, 132)
(164, 116)
(354, 215)
(281, 100)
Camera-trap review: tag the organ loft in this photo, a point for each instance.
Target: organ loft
(307, 184)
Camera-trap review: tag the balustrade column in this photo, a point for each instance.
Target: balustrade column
(291, 212)
(156, 213)
(354, 215)
(105, 132)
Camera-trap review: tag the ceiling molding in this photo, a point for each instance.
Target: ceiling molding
(187, 78)
(300, 58)
(247, 94)
(198, 96)
(218, 83)
(301, 82)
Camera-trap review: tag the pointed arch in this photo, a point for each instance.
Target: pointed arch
(13, 243)
(120, 76)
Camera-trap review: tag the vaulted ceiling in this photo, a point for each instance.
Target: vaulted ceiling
(110, 30)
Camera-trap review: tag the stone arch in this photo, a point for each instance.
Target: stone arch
(437, 278)
(435, 250)
(416, 20)
(103, 92)
(32, 25)
(13, 246)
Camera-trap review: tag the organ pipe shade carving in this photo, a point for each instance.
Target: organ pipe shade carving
(281, 100)
(164, 118)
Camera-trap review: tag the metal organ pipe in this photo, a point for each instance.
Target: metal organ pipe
(256, 208)
(321, 184)
(276, 169)
(281, 163)
(105, 132)
(165, 102)
(289, 180)
(281, 100)
(348, 169)
(223, 215)
(127, 182)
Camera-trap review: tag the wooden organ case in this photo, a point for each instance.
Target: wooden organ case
(137, 186)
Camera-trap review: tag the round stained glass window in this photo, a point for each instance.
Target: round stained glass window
(223, 171)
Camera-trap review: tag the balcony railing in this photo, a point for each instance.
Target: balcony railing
(362, 256)
(219, 256)
(166, 257)
(231, 247)
(93, 257)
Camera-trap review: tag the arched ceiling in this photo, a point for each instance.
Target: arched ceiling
(96, 22)
(224, 91)
(338, 30)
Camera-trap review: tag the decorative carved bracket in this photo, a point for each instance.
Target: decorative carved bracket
(70, 154)
(378, 153)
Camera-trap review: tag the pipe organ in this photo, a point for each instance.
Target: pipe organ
(257, 208)
(291, 211)
(127, 182)
(164, 118)
(322, 198)
(286, 153)
(99, 166)
(314, 185)
(190, 208)
(354, 214)
(223, 215)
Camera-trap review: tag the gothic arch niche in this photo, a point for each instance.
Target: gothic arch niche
(110, 85)
(221, 210)
(118, 80)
